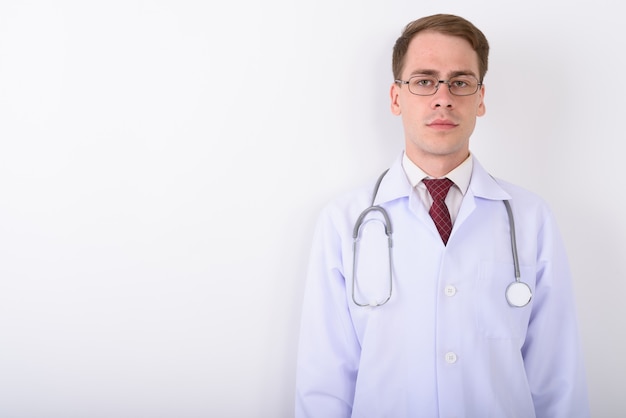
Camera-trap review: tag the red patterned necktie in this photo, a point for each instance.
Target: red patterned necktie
(438, 189)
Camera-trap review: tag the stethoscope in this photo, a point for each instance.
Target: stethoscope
(518, 293)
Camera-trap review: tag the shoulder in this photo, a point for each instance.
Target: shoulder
(488, 186)
(347, 203)
(531, 211)
(522, 196)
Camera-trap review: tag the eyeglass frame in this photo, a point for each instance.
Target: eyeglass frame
(439, 82)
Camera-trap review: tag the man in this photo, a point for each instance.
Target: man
(402, 316)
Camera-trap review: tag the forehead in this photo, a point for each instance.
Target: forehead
(440, 53)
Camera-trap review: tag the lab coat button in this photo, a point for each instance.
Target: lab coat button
(451, 358)
(449, 290)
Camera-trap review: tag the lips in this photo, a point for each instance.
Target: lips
(442, 123)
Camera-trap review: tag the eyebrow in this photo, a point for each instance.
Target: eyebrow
(436, 74)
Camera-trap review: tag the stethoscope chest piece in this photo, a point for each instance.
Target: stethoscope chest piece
(518, 294)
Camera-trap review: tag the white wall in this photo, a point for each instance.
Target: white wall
(162, 164)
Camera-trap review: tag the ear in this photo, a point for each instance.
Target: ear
(394, 93)
(481, 105)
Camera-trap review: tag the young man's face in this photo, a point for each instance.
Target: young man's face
(437, 128)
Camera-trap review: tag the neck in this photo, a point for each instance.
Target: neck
(438, 165)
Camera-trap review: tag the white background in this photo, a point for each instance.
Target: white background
(162, 164)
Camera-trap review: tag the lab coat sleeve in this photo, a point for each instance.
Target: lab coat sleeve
(552, 351)
(328, 353)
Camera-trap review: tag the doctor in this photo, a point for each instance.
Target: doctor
(408, 321)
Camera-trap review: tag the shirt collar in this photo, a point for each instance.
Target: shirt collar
(460, 175)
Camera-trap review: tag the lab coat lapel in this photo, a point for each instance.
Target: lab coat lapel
(482, 186)
(395, 185)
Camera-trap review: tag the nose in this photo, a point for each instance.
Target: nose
(443, 97)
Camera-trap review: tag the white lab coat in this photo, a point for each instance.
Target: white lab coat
(447, 344)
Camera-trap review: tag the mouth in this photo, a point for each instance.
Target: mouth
(442, 124)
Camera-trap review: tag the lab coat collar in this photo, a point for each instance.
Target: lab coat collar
(484, 185)
(395, 184)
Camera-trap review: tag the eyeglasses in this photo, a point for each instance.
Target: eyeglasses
(425, 85)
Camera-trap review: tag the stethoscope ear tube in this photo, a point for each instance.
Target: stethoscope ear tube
(356, 233)
(359, 221)
(355, 236)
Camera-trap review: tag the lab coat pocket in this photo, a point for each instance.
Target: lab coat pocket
(495, 317)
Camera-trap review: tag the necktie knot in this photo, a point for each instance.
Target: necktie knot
(438, 189)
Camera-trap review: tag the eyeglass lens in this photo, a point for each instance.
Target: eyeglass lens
(459, 86)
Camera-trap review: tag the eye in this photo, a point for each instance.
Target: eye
(422, 82)
(463, 84)
(459, 83)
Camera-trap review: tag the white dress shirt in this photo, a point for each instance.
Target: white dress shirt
(460, 176)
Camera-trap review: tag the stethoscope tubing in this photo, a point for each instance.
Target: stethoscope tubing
(518, 294)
